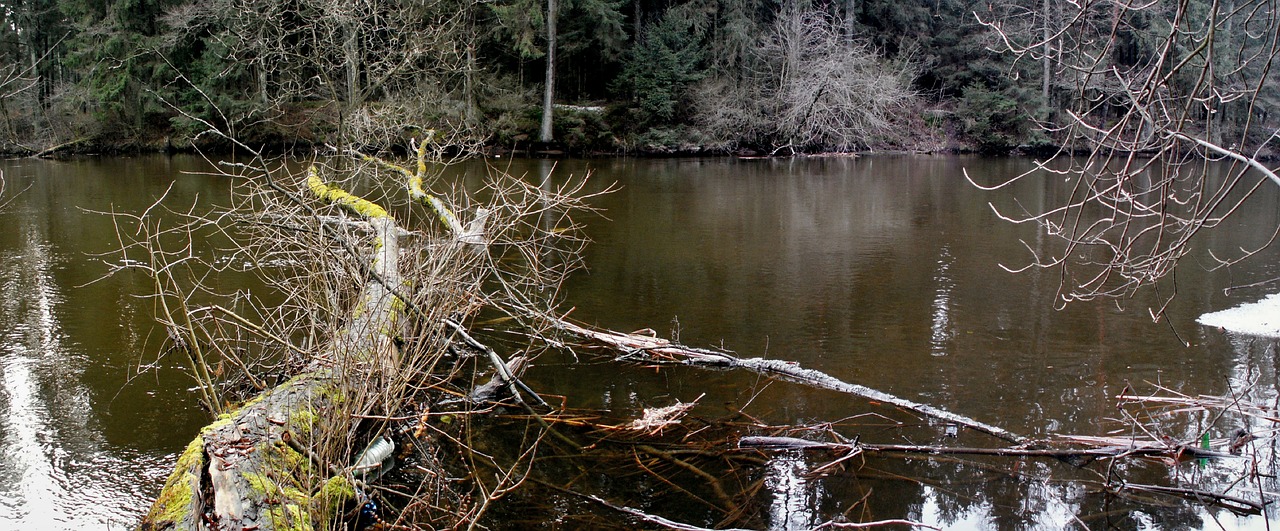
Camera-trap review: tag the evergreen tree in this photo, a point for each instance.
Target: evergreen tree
(661, 67)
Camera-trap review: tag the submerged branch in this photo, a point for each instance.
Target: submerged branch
(1128, 447)
(1237, 505)
(657, 350)
(652, 518)
(878, 523)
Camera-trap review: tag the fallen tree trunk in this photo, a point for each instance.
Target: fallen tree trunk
(657, 350)
(239, 473)
(242, 471)
(53, 150)
(281, 460)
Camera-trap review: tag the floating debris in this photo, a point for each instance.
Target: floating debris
(657, 418)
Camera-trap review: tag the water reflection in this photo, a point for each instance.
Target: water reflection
(942, 331)
(793, 504)
(54, 472)
(881, 271)
(884, 271)
(81, 445)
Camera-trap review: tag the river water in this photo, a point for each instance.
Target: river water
(882, 271)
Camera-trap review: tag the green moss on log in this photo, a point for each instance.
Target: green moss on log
(302, 421)
(333, 498)
(290, 517)
(175, 503)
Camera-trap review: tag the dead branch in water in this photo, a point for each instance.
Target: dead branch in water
(878, 523)
(1077, 450)
(1133, 448)
(1235, 504)
(648, 349)
(652, 518)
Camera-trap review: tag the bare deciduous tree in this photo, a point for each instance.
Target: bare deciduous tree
(806, 86)
(1165, 94)
(14, 80)
(379, 65)
(26, 116)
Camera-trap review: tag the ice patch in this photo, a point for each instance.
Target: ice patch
(1260, 318)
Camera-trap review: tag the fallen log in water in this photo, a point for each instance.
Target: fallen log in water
(372, 336)
(241, 472)
(1126, 448)
(657, 350)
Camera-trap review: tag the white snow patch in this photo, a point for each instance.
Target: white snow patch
(1260, 318)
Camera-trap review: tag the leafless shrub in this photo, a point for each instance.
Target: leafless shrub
(807, 86)
(379, 65)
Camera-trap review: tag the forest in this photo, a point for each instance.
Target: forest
(576, 76)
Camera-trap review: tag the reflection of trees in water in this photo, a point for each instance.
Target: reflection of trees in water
(1000, 494)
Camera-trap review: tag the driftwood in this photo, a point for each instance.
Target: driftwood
(657, 350)
(53, 150)
(1125, 448)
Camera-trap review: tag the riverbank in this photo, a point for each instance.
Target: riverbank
(580, 131)
(116, 147)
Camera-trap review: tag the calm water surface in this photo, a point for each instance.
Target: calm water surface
(879, 270)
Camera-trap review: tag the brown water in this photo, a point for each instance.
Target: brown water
(878, 270)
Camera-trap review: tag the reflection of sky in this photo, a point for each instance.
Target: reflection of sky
(941, 328)
(1254, 381)
(932, 512)
(1052, 508)
(862, 268)
(793, 498)
(53, 472)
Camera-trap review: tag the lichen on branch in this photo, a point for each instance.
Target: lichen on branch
(355, 204)
(414, 185)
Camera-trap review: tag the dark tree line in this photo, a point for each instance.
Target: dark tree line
(610, 75)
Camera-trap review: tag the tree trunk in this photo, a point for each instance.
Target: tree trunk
(549, 88)
(241, 472)
(351, 52)
(637, 21)
(469, 80)
(1045, 6)
(1220, 55)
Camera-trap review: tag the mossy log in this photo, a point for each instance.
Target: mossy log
(241, 472)
(245, 470)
